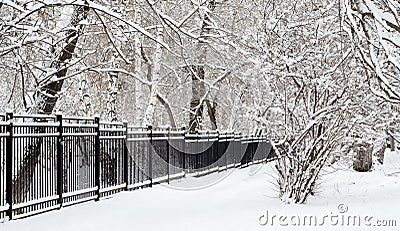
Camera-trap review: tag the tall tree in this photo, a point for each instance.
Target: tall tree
(48, 93)
(156, 73)
(50, 86)
(197, 72)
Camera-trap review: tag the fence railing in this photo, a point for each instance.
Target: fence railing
(49, 162)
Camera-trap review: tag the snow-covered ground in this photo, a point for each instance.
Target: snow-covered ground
(241, 199)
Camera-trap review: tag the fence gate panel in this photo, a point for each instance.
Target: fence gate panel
(78, 143)
(160, 155)
(138, 145)
(176, 152)
(112, 141)
(34, 176)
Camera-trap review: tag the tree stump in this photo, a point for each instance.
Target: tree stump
(381, 153)
(363, 158)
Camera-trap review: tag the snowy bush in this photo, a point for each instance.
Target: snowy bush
(313, 80)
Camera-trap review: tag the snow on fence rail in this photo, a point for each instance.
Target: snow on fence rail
(48, 162)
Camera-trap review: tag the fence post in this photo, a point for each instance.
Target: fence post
(184, 151)
(168, 165)
(97, 157)
(126, 154)
(231, 149)
(60, 167)
(265, 148)
(242, 150)
(208, 149)
(215, 151)
(9, 164)
(226, 151)
(250, 158)
(253, 150)
(218, 156)
(238, 150)
(267, 141)
(151, 155)
(197, 150)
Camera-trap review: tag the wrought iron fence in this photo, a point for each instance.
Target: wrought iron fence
(50, 161)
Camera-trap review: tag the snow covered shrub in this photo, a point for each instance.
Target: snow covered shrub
(310, 73)
(314, 128)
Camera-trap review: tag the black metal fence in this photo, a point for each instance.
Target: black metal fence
(48, 162)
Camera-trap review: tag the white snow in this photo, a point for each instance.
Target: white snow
(234, 200)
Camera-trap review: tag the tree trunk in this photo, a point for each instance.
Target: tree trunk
(85, 98)
(168, 109)
(198, 76)
(196, 103)
(139, 87)
(149, 114)
(211, 109)
(391, 138)
(381, 152)
(112, 96)
(48, 94)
